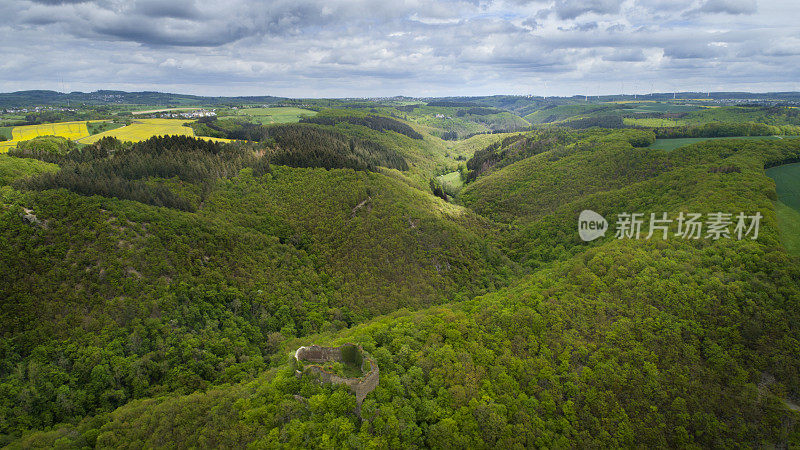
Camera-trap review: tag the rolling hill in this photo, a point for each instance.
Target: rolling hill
(155, 292)
(701, 334)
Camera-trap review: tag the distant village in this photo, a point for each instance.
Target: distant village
(37, 109)
(189, 114)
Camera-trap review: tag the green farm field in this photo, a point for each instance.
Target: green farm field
(787, 183)
(787, 186)
(285, 114)
(789, 223)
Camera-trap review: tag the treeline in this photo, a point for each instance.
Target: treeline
(713, 129)
(477, 111)
(608, 121)
(498, 127)
(377, 123)
(407, 108)
(47, 116)
(515, 148)
(450, 135)
(113, 169)
(655, 115)
(447, 104)
(469, 135)
(301, 145)
(437, 189)
(488, 157)
(314, 145)
(47, 144)
(738, 114)
(227, 129)
(718, 129)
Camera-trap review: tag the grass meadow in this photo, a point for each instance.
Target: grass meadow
(787, 208)
(284, 114)
(451, 182)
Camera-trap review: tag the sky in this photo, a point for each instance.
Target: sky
(365, 48)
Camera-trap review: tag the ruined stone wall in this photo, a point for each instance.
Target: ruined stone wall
(368, 382)
(317, 354)
(360, 386)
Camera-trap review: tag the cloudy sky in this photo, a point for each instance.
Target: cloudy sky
(316, 48)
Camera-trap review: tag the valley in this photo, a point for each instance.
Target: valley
(175, 266)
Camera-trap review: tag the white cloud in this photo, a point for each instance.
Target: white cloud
(413, 47)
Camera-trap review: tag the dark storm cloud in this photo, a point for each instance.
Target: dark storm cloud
(664, 5)
(171, 9)
(193, 23)
(154, 35)
(588, 26)
(531, 23)
(58, 2)
(571, 9)
(728, 7)
(704, 52)
(361, 47)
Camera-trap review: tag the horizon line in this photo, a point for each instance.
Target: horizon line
(706, 93)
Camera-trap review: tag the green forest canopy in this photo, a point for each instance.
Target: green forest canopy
(132, 320)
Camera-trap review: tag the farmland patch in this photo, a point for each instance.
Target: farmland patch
(787, 208)
(69, 130)
(143, 129)
(267, 116)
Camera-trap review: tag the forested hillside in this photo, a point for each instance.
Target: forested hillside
(702, 335)
(342, 138)
(155, 292)
(258, 258)
(531, 175)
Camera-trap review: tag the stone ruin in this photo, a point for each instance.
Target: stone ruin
(30, 218)
(316, 355)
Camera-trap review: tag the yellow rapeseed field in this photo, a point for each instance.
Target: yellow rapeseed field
(139, 130)
(69, 130)
(142, 129)
(7, 145)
